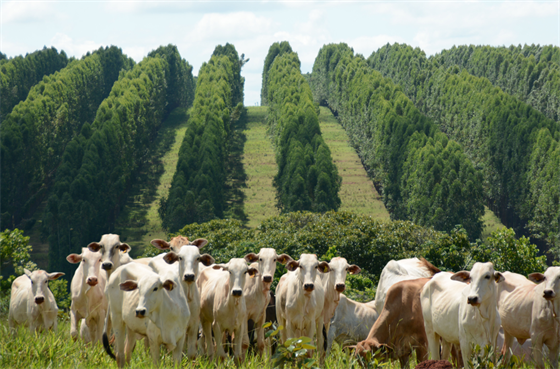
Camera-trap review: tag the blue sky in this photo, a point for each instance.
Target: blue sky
(196, 27)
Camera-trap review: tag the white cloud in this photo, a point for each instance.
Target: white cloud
(367, 45)
(232, 26)
(74, 48)
(25, 12)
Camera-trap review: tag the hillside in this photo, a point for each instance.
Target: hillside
(357, 192)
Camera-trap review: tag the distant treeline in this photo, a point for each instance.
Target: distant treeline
(423, 176)
(35, 133)
(307, 178)
(514, 145)
(99, 164)
(530, 73)
(19, 74)
(197, 188)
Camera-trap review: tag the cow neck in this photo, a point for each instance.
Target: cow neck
(191, 291)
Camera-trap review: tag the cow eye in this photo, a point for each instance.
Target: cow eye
(275, 260)
(260, 259)
(155, 289)
(198, 259)
(487, 277)
(180, 258)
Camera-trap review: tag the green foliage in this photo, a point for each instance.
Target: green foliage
(15, 250)
(294, 353)
(197, 188)
(59, 288)
(489, 358)
(275, 50)
(36, 132)
(307, 178)
(98, 165)
(514, 145)
(423, 176)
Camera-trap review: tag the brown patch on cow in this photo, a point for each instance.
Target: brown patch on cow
(434, 364)
(431, 268)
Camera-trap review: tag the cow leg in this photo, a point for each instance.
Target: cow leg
(155, 350)
(130, 342)
(178, 351)
(445, 349)
(320, 340)
(433, 343)
(508, 343)
(120, 336)
(260, 333)
(207, 329)
(74, 318)
(537, 350)
(466, 351)
(553, 351)
(191, 338)
(237, 342)
(85, 332)
(12, 324)
(218, 337)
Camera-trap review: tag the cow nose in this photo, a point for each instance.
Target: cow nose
(548, 294)
(267, 278)
(340, 287)
(472, 300)
(92, 281)
(236, 293)
(39, 299)
(107, 266)
(140, 313)
(188, 277)
(308, 287)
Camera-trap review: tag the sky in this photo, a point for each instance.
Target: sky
(197, 26)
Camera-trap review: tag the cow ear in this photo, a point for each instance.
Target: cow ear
(207, 260)
(354, 269)
(252, 257)
(27, 273)
(124, 247)
(324, 267)
(283, 259)
(462, 276)
(54, 275)
(160, 244)
(220, 266)
(94, 247)
(171, 257)
(499, 277)
(536, 277)
(74, 258)
(169, 285)
(252, 272)
(200, 242)
(292, 265)
(128, 285)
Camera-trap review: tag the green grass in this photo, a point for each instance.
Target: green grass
(260, 167)
(357, 192)
(491, 223)
(139, 222)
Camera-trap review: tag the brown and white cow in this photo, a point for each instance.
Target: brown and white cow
(223, 306)
(89, 304)
(300, 299)
(177, 242)
(461, 309)
(528, 311)
(257, 290)
(32, 302)
(400, 327)
(188, 259)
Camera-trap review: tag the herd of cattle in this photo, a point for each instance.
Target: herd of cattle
(170, 297)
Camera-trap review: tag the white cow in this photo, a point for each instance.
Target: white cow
(460, 313)
(189, 258)
(223, 306)
(177, 242)
(528, 311)
(32, 302)
(89, 304)
(149, 304)
(257, 290)
(114, 253)
(352, 322)
(300, 299)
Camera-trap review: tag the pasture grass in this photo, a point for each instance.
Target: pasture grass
(491, 223)
(259, 162)
(357, 193)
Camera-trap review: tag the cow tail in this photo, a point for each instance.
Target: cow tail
(325, 338)
(107, 345)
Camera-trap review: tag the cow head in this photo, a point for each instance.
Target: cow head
(267, 259)
(482, 281)
(150, 289)
(552, 282)
(306, 268)
(91, 265)
(189, 258)
(337, 276)
(238, 272)
(40, 284)
(177, 242)
(110, 248)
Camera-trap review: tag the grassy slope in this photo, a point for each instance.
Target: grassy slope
(260, 167)
(357, 192)
(139, 222)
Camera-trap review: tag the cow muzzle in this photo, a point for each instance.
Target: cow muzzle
(188, 277)
(473, 300)
(237, 293)
(107, 266)
(92, 281)
(340, 287)
(309, 287)
(267, 279)
(549, 294)
(140, 313)
(39, 300)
